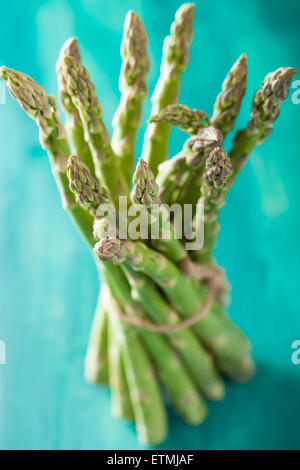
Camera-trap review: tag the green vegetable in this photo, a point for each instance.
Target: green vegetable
(132, 84)
(174, 61)
(188, 120)
(228, 102)
(264, 111)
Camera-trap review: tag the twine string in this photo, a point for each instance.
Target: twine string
(216, 286)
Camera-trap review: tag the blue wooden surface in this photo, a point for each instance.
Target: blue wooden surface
(48, 283)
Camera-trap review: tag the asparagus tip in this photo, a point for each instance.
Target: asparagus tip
(108, 249)
(185, 8)
(133, 50)
(69, 48)
(218, 169)
(145, 189)
(266, 102)
(189, 120)
(3, 73)
(85, 187)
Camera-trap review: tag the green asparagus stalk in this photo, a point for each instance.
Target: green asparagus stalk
(176, 174)
(43, 110)
(132, 84)
(174, 61)
(149, 411)
(121, 404)
(187, 119)
(229, 100)
(218, 333)
(73, 122)
(264, 111)
(199, 363)
(83, 95)
(177, 382)
(96, 359)
(216, 181)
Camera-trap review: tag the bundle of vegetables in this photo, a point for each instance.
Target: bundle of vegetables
(160, 321)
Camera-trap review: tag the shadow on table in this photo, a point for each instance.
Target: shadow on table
(261, 414)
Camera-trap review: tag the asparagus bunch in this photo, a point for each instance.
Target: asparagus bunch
(160, 320)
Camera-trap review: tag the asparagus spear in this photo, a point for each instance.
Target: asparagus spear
(216, 181)
(188, 120)
(217, 332)
(172, 373)
(83, 95)
(176, 174)
(174, 61)
(149, 413)
(148, 408)
(132, 84)
(229, 100)
(199, 363)
(96, 359)
(145, 192)
(121, 404)
(43, 110)
(73, 121)
(264, 111)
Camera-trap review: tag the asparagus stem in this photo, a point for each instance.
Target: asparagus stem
(148, 408)
(73, 121)
(229, 100)
(83, 95)
(174, 61)
(178, 173)
(188, 120)
(218, 333)
(43, 110)
(199, 363)
(216, 181)
(132, 84)
(121, 405)
(264, 111)
(96, 359)
(176, 380)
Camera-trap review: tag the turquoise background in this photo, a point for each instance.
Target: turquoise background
(48, 282)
